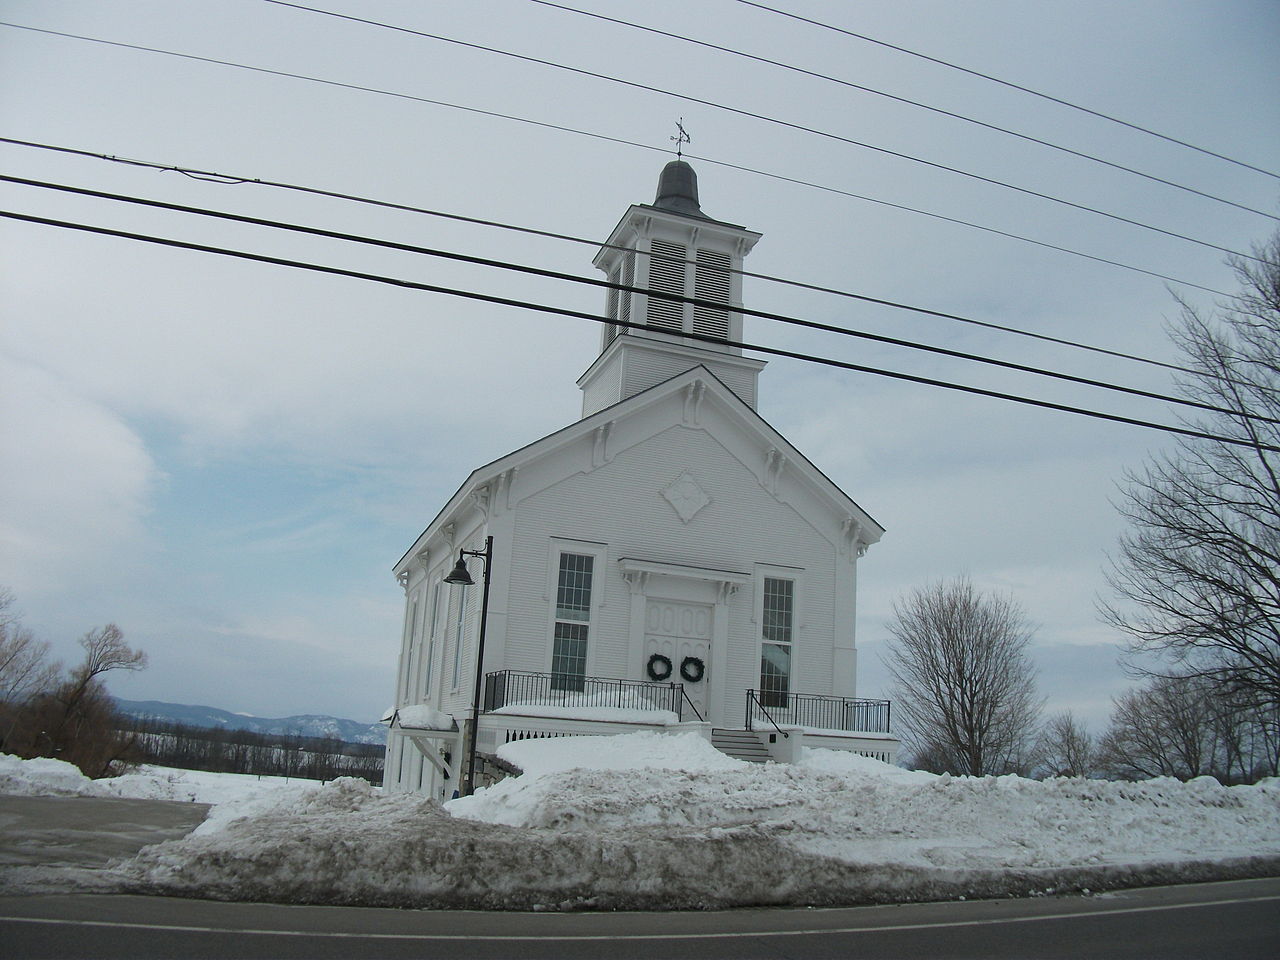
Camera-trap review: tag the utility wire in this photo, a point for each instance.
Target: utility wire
(620, 141)
(765, 118)
(220, 178)
(899, 99)
(605, 284)
(1011, 85)
(577, 314)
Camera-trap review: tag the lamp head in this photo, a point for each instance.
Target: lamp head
(460, 574)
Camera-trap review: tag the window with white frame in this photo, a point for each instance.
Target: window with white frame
(777, 620)
(572, 621)
(410, 639)
(458, 631)
(433, 614)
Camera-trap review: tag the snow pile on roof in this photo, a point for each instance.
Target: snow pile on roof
(660, 718)
(422, 717)
(645, 821)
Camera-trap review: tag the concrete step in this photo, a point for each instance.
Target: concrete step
(739, 744)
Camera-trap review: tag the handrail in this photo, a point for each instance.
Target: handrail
(820, 711)
(511, 687)
(684, 694)
(751, 695)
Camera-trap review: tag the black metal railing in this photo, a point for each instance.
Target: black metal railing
(818, 712)
(685, 697)
(754, 707)
(509, 688)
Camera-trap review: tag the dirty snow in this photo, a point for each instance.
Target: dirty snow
(646, 820)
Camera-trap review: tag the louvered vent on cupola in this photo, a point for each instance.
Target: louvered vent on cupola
(711, 282)
(619, 303)
(666, 275)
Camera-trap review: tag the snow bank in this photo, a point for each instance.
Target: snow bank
(647, 821)
(41, 777)
(47, 777)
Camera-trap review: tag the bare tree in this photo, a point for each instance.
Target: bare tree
(1065, 748)
(1162, 730)
(25, 668)
(1198, 576)
(76, 720)
(1184, 727)
(966, 687)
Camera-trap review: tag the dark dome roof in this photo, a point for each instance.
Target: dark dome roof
(678, 190)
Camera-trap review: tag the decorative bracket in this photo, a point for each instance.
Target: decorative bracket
(480, 497)
(726, 589)
(693, 394)
(854, 543)
(636, 580)
(774, 464)
(600, 444)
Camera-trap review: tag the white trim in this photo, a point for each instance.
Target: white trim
(631, 565)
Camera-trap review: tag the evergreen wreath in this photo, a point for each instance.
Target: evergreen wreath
(659, 667)
(692, 669)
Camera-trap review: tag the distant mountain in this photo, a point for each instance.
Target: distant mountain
(306, 725)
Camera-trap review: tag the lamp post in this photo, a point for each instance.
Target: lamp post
(460, 575)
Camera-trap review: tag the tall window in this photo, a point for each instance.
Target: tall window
(411, 636)
(458, 630)
(433, 612)
(775, 650)
(573, 619)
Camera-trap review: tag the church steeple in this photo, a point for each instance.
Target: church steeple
(671, 247)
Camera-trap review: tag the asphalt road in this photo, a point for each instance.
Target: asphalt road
(52, 845)
(63, 843)
(1237, 919)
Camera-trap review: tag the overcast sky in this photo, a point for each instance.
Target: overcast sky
(226, 458)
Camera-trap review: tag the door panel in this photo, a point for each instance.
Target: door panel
(678, 630)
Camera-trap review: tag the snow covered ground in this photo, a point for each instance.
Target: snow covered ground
(647, 821)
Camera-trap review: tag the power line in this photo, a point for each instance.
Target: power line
(591, 281)
(221, 178)
(899, 99)
(623, 142)
(595, 318)
(1011, 85)
(739, 111)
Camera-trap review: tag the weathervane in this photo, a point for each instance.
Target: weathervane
(680, 138)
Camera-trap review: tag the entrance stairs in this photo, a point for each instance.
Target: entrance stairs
(739, 744)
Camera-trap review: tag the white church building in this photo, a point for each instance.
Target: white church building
(669, 562)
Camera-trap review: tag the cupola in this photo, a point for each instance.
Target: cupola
(671, 247)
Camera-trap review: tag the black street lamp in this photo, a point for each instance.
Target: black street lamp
(460, 575)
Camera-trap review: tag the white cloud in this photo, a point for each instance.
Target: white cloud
(75, 488)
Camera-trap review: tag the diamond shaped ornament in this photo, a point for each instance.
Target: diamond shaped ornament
(686, 497)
